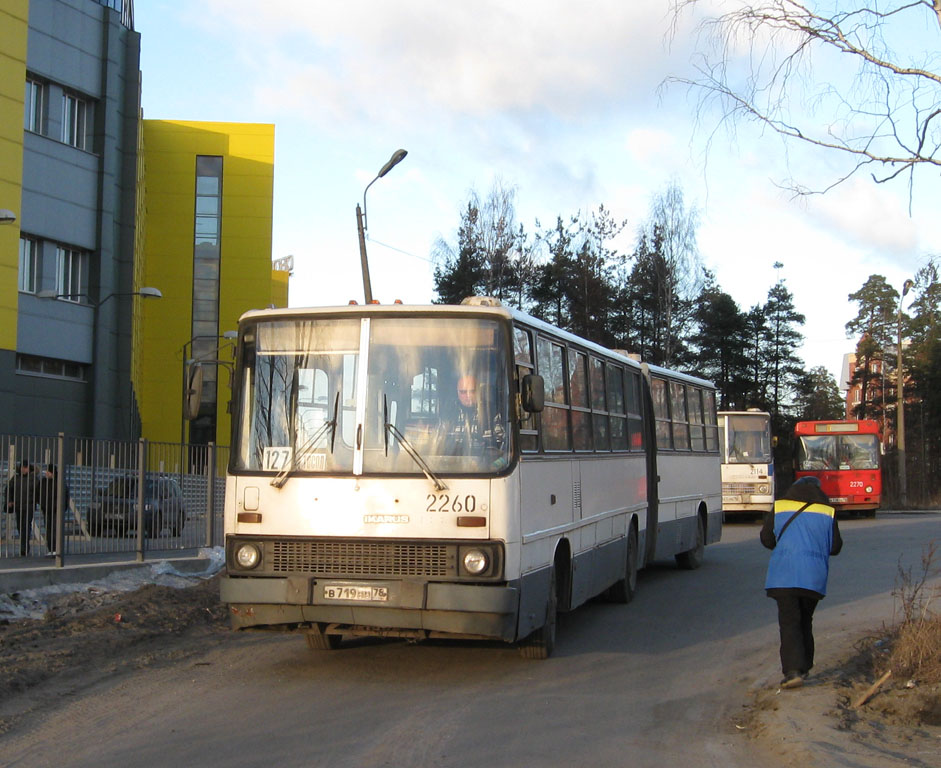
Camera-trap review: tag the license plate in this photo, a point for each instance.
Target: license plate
(733, 499)
(358, 592)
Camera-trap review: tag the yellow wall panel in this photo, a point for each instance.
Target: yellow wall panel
(14, 25)
(245, 282)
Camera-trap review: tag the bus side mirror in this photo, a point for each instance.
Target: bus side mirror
(193, 393)
(533, 393)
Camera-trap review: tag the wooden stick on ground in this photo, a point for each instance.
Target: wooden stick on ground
(871, 690)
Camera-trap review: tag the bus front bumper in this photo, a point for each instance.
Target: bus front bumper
(438, 609)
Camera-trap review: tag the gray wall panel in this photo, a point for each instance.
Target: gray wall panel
(65, 43)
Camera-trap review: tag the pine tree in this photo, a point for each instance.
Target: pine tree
(721, 347)
(784, 366)
(875, 323)
(550, 289)
(818, 396)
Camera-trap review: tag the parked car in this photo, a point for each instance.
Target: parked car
(114, 508)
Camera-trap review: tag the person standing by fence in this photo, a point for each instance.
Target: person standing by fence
(48, 492)
(21, 501)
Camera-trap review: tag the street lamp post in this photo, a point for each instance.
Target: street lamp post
(900, 407)
(397, 157)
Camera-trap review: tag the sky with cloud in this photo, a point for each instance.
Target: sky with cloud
(561, 101)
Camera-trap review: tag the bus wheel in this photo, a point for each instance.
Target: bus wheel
(541, 643)
(623, 591)
(691, 559)
(320, 641)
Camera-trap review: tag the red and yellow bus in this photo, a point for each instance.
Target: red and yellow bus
(845, 456)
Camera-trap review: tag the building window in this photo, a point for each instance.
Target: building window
(30, 265)
(207, 240)
(72, 274)
(31, 365)
(74, 114)
(34, 112)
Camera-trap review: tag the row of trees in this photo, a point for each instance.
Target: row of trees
(880, 324)
(660, 302)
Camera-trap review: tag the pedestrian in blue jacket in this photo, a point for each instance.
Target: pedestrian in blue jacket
(803, 533)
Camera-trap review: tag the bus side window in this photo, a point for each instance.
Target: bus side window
(555, 416)
(635, 421)
(661, 412)
(599, 406)
(618, 422)
(578, 388)
(696, 435)
(711, 421)
(679, 416)
(523, 356)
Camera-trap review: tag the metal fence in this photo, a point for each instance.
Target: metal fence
(68, 497)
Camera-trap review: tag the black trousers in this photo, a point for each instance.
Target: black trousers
(796, 625)
(24, 521)
(50, 518)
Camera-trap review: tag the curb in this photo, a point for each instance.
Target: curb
(35, 578)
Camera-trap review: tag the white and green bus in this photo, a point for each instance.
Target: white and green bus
(746, 448)
(453, 471)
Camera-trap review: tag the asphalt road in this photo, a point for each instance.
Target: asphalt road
(655, 683)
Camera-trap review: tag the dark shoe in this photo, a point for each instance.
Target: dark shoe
(792, 680)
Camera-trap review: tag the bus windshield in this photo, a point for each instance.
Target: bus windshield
(748, 441)
(435, 396)
(836, 451)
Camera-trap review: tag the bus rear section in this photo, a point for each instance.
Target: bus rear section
(846, 457)
(745, 446)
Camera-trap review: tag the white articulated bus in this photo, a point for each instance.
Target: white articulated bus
(745, 444)
(453, 471)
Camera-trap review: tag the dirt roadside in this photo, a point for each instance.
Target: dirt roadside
(823, 724)
(93, 636)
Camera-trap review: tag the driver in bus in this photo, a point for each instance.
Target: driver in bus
(466, 433)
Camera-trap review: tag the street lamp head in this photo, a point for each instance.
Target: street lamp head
(8, 217)
(148, 292)
(907, 286)
(397, 157)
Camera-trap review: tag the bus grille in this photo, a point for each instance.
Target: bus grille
(353, 558)
(739, 487)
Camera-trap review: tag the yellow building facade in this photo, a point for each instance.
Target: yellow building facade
(14, 26)
(206, 245)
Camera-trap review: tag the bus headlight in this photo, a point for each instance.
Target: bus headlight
(868, 489)
(247, 556)
(762, 489)
(475, 561)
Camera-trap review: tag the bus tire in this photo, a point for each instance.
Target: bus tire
(321, 641)
(623, 591)
(691, 559)
(541, 643)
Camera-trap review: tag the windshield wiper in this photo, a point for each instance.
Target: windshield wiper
(391, 429)
(282, 477)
